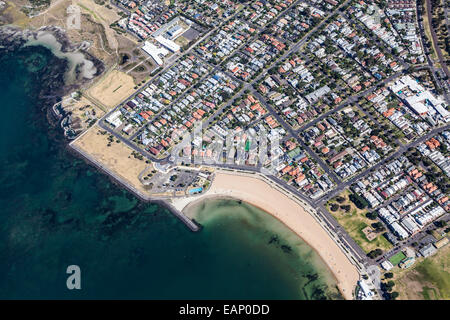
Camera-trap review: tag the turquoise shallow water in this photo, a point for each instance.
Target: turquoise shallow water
(56, 211)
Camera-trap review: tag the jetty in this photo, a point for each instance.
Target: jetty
(194, 227)
(180, 215)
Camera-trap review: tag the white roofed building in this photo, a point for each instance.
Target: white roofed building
(169, 44)
(155, 52)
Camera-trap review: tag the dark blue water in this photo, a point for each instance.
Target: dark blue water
(56, 210)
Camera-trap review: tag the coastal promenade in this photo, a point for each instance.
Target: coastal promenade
(146, 197)
(255, 188)
(258, 190)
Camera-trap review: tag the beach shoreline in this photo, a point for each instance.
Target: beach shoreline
(210, 211)
(293, 215)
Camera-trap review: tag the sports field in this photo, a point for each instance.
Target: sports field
(395, 259)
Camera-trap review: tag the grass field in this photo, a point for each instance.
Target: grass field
(428, 279)
(15, 16)
(436, 272)
(354, 222)
(429, 293)
(117, 157)
(426, 26)
(395, 259)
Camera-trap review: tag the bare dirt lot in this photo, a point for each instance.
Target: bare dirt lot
(112, 89)
(117, 157)
(12, 14)
(98, 27)
(95, 22)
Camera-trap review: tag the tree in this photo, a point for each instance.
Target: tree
(359, 201)
(378, 226)
(387, 287)
(374, 253)
(390, 283)
(440, 223)
(389, 275)
(394, 295)
(372, 215)
(340, 199)
(334, 207)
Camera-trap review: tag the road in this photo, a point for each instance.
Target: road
(435, 39)
(380, 43)
(349, 101)
(287, 127)
(396, 154)
(430, 62)
(323, 216)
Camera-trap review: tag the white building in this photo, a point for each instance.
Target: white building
(422, 101)
(114, 119)
(399, 230)
(169, 44)
(365, 292)
(387, 265)
(155, 52)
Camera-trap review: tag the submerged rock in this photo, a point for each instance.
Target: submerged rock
(70, 67)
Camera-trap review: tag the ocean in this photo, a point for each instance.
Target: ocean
(57, 210)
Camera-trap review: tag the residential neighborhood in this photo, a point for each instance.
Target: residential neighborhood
(338, 102)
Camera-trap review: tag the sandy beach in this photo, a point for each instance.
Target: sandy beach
(259, 193)
(250, 188)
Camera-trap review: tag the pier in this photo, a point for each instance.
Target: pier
(180, 215)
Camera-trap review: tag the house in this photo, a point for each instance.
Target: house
(428, 250)
(386, 265)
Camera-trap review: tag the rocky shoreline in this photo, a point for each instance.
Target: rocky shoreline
(55, 86)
